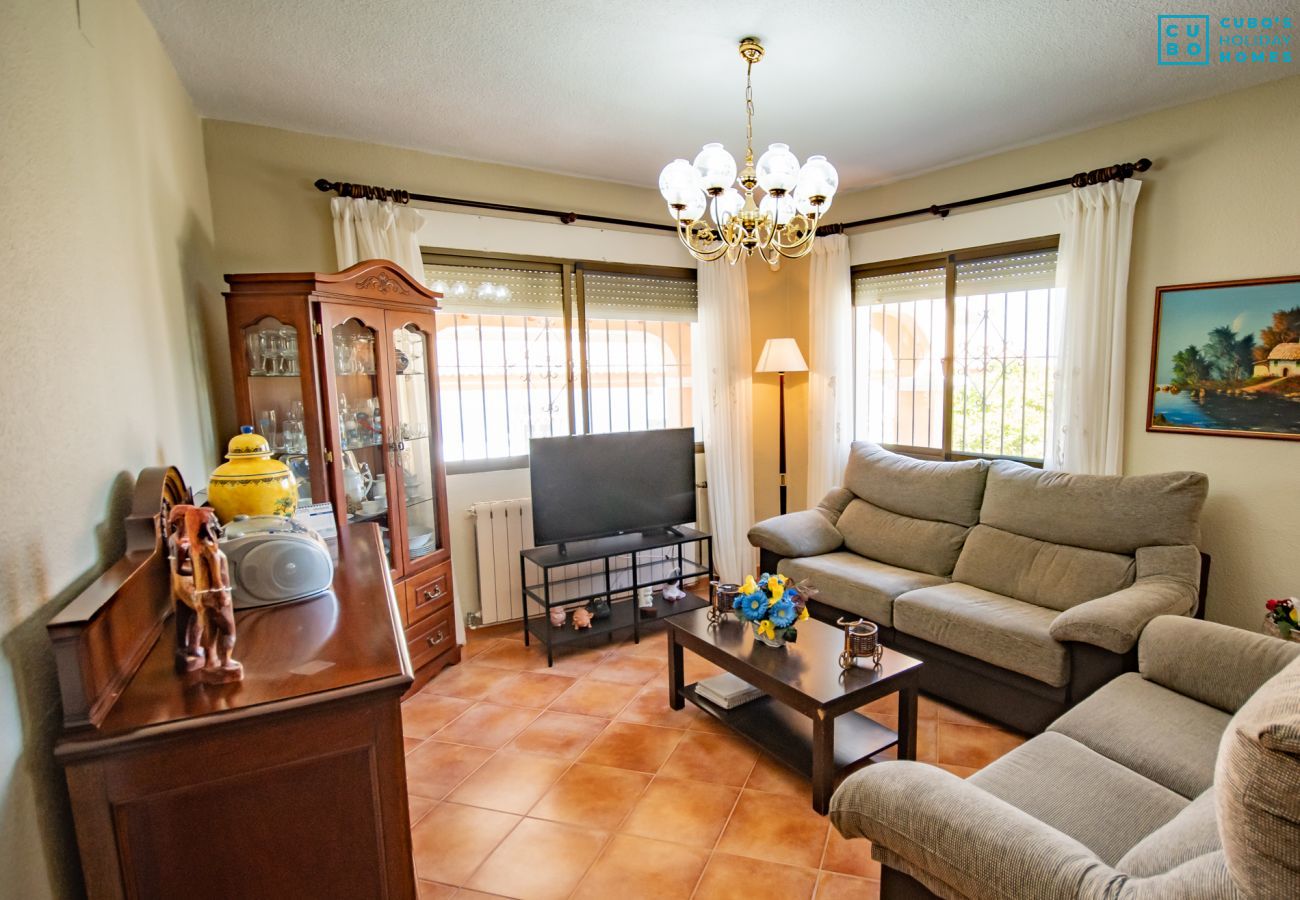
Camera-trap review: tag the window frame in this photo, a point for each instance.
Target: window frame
(577, 376)
(948, 262)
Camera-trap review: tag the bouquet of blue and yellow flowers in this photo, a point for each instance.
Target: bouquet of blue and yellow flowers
(774, 606)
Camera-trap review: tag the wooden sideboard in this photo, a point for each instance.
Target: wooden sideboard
(289, 784)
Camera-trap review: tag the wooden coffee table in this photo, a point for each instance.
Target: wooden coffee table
(809, 718)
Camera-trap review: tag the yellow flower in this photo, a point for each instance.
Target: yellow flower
(1295, 614)
(766, 629)
(772, 601)
(803, 614)
(749, 587)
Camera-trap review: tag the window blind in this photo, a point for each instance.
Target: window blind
(614, 295)
(1007, 274)
(498, 290)
(921, 284)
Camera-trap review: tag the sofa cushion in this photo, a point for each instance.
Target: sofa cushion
(1056, 576)
(856, 585)
(1257, 783)
(1191, 833)
(1114, 513)
(1101, 804)
(920, 544)
(1161, 735)
(997, 629)
(939, 491)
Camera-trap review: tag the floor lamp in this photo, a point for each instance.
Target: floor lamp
(781, 355)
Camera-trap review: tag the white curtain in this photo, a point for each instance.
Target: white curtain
(1087, 430)
(830, 365)
(377, 229)
(723, 363)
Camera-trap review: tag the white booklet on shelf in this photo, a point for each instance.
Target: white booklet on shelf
(727, 690)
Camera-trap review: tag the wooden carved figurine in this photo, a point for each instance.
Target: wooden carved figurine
(200, 579)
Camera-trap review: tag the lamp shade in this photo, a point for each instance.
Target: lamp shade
(781, 355)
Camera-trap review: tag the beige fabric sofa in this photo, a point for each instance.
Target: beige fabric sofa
(1023, 590)
(1178, 781)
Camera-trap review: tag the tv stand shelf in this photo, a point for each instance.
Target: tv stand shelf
(627, 562)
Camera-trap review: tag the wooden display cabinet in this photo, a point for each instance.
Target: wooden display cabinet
(339, 373)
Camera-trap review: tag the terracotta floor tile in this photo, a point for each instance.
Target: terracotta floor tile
(597, 796)
(424, 714)
(778, 778)
(974, 745)
(509, 782)
(695, 668)
(959, 771)
(650, 870)
(736, 878)
(434, 768)
(418, 807)
(469, 681)
(652, 646)
(431, 890)
(627, 669)
(467, 894)
(473, 648)
(886, 705)
(927, 735)
(452, 840)
(831, 886)
(539, 861)
(926, 708)
(685, 812)
(409, 744)
(576, 662)
(642, 748)
(960, 717)
(532, 689)
(595, 698)
(563, 735)
(706, 722)
(849, 857)
(762, 822)
(487, 725)
(512, 655)
(650, 707)
(715, 758)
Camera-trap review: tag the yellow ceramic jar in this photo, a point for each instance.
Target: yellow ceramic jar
(252, 483)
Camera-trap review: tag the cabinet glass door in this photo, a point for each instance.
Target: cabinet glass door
(358, 423)
(417, 438)
(274, 375)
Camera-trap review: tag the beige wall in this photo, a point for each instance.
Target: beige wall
(1219, 204)
(107, 262)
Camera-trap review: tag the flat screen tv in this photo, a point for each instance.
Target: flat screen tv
(597, 485)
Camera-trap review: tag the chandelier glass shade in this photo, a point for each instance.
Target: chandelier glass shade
(771, 207)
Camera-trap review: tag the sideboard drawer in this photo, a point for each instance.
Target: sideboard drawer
(428, 593)
(432, 637)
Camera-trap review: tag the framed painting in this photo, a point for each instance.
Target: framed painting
(1225, 359)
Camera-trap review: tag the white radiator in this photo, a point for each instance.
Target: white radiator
(502, 528)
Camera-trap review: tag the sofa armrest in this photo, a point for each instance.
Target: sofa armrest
(1114, 622)
(805, 533)
(1215, 664)
(963, 836)
(1168, 583)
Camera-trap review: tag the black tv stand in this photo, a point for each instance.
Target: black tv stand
(672, 531)
(625, 563)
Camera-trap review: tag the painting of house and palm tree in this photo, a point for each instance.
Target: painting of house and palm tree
(1226, 359)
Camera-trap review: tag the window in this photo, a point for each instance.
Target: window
(537, 349)
(953, 354)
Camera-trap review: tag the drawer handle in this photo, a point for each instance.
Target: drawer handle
(436, 639)
(436, 593)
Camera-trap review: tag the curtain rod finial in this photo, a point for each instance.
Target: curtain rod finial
(324, 186)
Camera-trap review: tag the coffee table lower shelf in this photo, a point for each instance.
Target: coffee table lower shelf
(787, 734)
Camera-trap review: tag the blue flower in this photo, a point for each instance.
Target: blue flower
(752, 606)
(783, 612)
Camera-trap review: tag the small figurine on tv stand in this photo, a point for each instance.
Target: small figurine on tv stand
(200, 583)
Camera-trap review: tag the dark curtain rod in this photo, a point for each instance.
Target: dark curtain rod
(1117, 172)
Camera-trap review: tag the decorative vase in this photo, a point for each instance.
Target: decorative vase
(778, 641)
(599, 608)
(251, 483)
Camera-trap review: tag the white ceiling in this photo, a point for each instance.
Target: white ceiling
(614, 89)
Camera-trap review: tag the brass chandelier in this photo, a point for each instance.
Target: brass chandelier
(783, 223)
